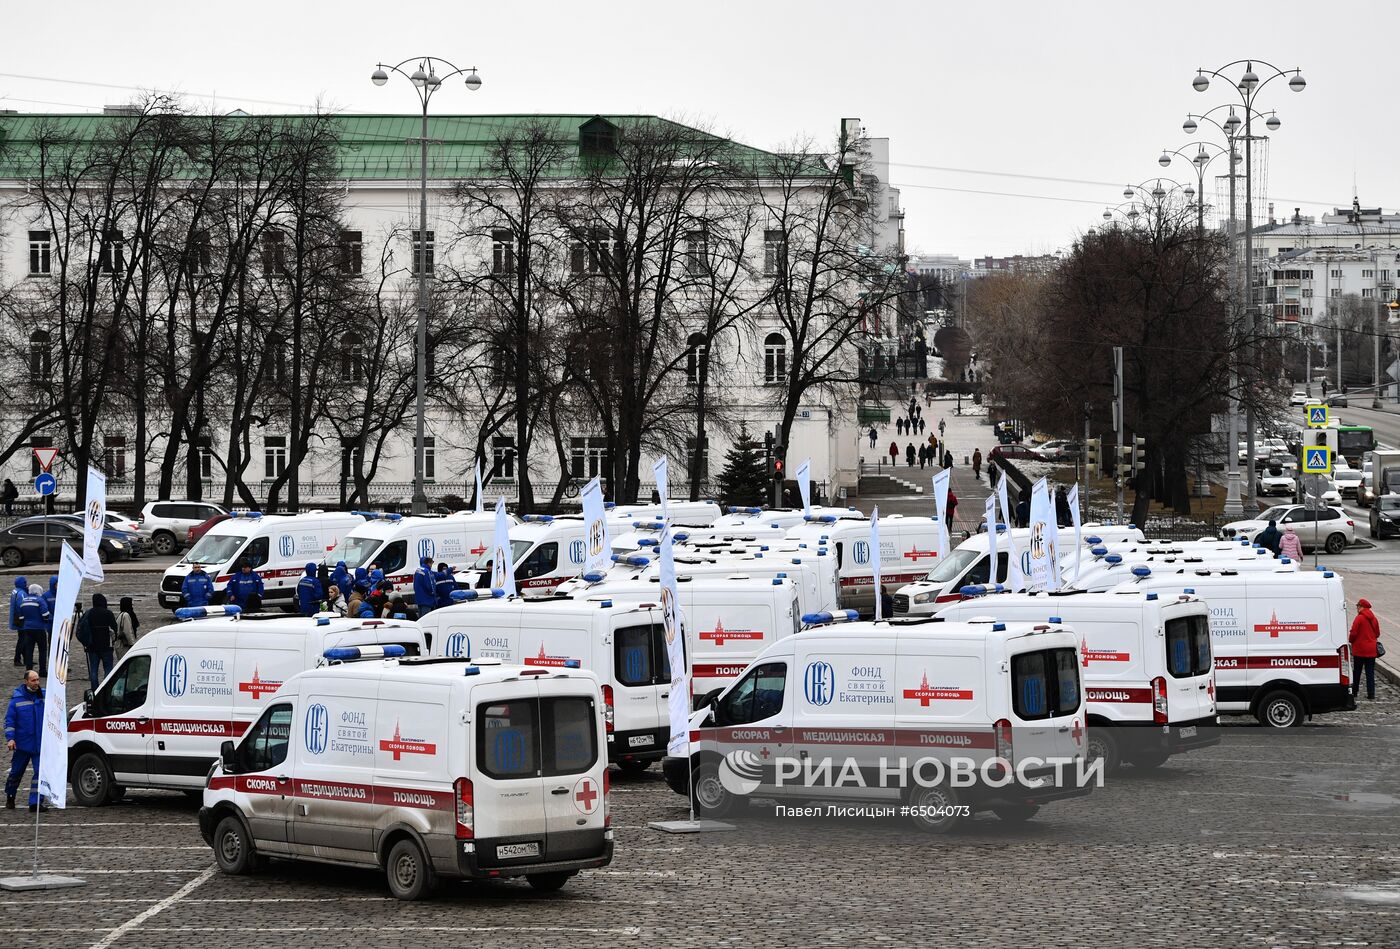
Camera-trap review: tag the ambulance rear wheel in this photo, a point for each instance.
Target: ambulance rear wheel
(92, 780)
(547, 882)
(633, 766)
(410, 874)
(1280, 709)
(233, 848)
(1016, 813)
(935, 809)
(1102, 746)
(712, 798)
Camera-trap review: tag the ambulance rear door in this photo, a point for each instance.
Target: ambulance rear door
(632, 657)
(573, 757)
(508, 790)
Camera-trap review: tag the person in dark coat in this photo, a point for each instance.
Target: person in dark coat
(909, 455)
(361, 584)
(444, 584)
(977, 463)
(872, 436)
(245, 589)
(9, 494)
(24, 731)
(894, 454)
(1270, 538)
(197, 588)
(947, 458)
(101, 625)
(33, 621)
(16, 595)
(1062, 513)
(309, 592)
(1364, 638)
(341, 577)
(1023, 510)
(425, 587)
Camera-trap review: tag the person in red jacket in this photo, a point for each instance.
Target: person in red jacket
(1365, 635)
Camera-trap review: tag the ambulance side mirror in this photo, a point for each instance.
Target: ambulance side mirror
(87, 703)
(227, 756)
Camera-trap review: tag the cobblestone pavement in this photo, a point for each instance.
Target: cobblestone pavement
(1267, 839)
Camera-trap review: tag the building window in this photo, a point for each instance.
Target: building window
(697, 355)
(704, 456)
(1337, 274)
(423, 253)
(429, 457)
(40, 248)
(1368, 275)
(502, 251)
(111, 257)
(1335, 292)
(774, 359)
(774, 252)
(697, 252)
(352, 458)
(40, 356)
(199, 259)
(1385, 274)
(114, 457)
(588, 457)
(277, 359)
(502, 457)
(1307, 311)
(595, 253)
(1307, 274)
(352, 248)
(274, 255)
(352, 359)
(1307, 292)
(274, 456)
(1367, 292)
(205, 456)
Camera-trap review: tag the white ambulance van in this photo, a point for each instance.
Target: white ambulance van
(683, 513)
(624, 643)
(397, 543)
(908, 546)
(156, 721)
(1114, 569)
(278, 545)
(1280, 641)
(547, 550)
(425, 768)
(1145, 659)
(782, 518)
(814, 571)
(885, 694)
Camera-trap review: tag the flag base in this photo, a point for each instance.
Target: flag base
(41, 881)
(689, 826)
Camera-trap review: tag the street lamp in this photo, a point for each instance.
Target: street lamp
(1248, 87)
(426, 81)
(1200, 160)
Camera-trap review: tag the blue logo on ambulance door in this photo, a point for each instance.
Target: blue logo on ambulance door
(286, 545)
(819, 683)
(426, 548)
(576, 550)
(508, 748)
(176, 676)
(860, 552)
(459, 646)
(318, 728)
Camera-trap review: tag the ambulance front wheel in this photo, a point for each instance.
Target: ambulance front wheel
(233, 848)
(1103, 747)
(1016, 813)
(547, 882)
(712, 798)
(93, 785)
(410, 874)
(1280, 709)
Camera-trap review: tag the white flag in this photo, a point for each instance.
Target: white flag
(804, 484)
(875, 563)
(94, 523)
(1044, 534)
(479, 508)
(595, 527)
(991, 517)
(1015, 575)
(502, 561)
(53, 748)
(673, 622)
(941, 482)
(659, 470)
(1073, 498)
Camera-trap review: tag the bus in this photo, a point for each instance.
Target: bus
(1353, 441)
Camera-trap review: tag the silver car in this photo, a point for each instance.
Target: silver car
(168, 522)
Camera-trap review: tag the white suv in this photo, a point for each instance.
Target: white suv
(1331, 528)
(168, 522)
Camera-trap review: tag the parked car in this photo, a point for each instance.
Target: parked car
(169, 522)
(1331, 528)
(1338, 400)
(135, 541)
(1263, 448)
(1277, 480)
(1017, 452)
(1061, 449)
(1364, 494)
(1278, 460)
(1385, 517)
(40, 539)
(199, 530)
(1298, 398)
(120, 522)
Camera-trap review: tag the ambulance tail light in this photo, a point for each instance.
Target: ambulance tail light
(1001, 734)
(1159, 701)
(1344, 664)
(462, 795)
(607, 790)
(608, 708)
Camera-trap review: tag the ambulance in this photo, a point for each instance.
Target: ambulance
(889, 696)
(427, 769)
(683, 513)
(156, 721)
(1144, 656)
(1107, 573)
(279, 546)
(1280, 641)
(781, 518)
(908, 546)
(648, 534)
(398, 543)
(969, 564)
(623, 643)
(548, 549)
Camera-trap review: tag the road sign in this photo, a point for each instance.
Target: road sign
(45, 457)
(46, 484)
(1314, 486)
(1317, 459)
(1316, 416)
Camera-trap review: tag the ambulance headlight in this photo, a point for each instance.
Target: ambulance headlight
(925, 597)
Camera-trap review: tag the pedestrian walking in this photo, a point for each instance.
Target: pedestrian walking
(198, 589)
(1290, 545)
(952, 507)
(894, 454)
(872, 436)
(1023, 510)
(1269, 538)
(1365, 639)
(909, 455)
(33, 618)
(128, 626)
(9, 494)
(309, 591)
(977, 463)
(1062, 514)
(425, 587)
(16, 595)
(899, 426)
(245, 588)
(941, 425)
(947, 457)
(24, 730)
(97, 631)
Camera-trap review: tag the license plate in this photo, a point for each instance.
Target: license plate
(517, 851)
(637, 741)
(1188, 731)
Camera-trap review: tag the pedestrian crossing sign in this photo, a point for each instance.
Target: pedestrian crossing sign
(1317, 459)
(1317, 416)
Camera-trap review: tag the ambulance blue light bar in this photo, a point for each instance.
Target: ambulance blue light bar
(1098, 551)
(466, 596)
(680, 536)
(573, 664)
(1191, 590)
(1056, 619)
(537, 518)
(323, 621)
(744, 510)
(829, 616)
(1114, 558)
(253, 515)
(350, 653)
(201, 612)
(1284, 560)
(1329, 574)
(982, 589)
(777, 581)
(998, 627)
(820, 518)
(1142, 571)
(605, 604)
(472, 671)
(609, 505)
(1151, 596)
(594, 576)
(633, 560)
(648, 542)
(378, 515)
(649, 525)
(1091, 539)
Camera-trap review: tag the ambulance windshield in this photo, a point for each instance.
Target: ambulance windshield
(215, 549)
(355, 551)
(953, 566)
(518, 549)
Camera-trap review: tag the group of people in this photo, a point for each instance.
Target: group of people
(365, 592)
(924, 454)
(104, 635)
(911, 426)
(1285, 543)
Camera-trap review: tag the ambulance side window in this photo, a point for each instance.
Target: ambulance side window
(1001, 567)
(838, 555)
(633, 662)
(1179, 652)
(978, 573)
(393, 557)
(570, 734)
(1044, 684)
(757, 696)
(1066, 681)
(542, 560)
(255, 553)
(265, 745)
(507, 739)
(1200, 645)
(126, 690)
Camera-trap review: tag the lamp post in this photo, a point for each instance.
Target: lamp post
(1248, 86)
(1200, 160)
(426, 81)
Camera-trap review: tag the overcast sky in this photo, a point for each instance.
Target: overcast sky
(982, 95)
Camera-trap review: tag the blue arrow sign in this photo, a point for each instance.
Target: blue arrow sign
(46, 484)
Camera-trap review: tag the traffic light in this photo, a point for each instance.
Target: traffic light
(1139, 455)
(1093, 454)
(777, 469)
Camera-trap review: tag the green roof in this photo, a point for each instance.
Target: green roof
(374, 147)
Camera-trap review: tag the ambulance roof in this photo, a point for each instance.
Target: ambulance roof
(846, 527)
(279, 624)
(931, 628)
(445, 670)
(1204, 579)
(244, 525)
(539, 606)
(383, 526)
(538, 530)
(1052, 603)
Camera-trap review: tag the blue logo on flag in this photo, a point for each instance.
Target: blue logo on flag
(576, 550)
(318, 728)
(459, 645)
(819, 683)
(286, 546)
(426, 548)
(176, 675)
(860, 551)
